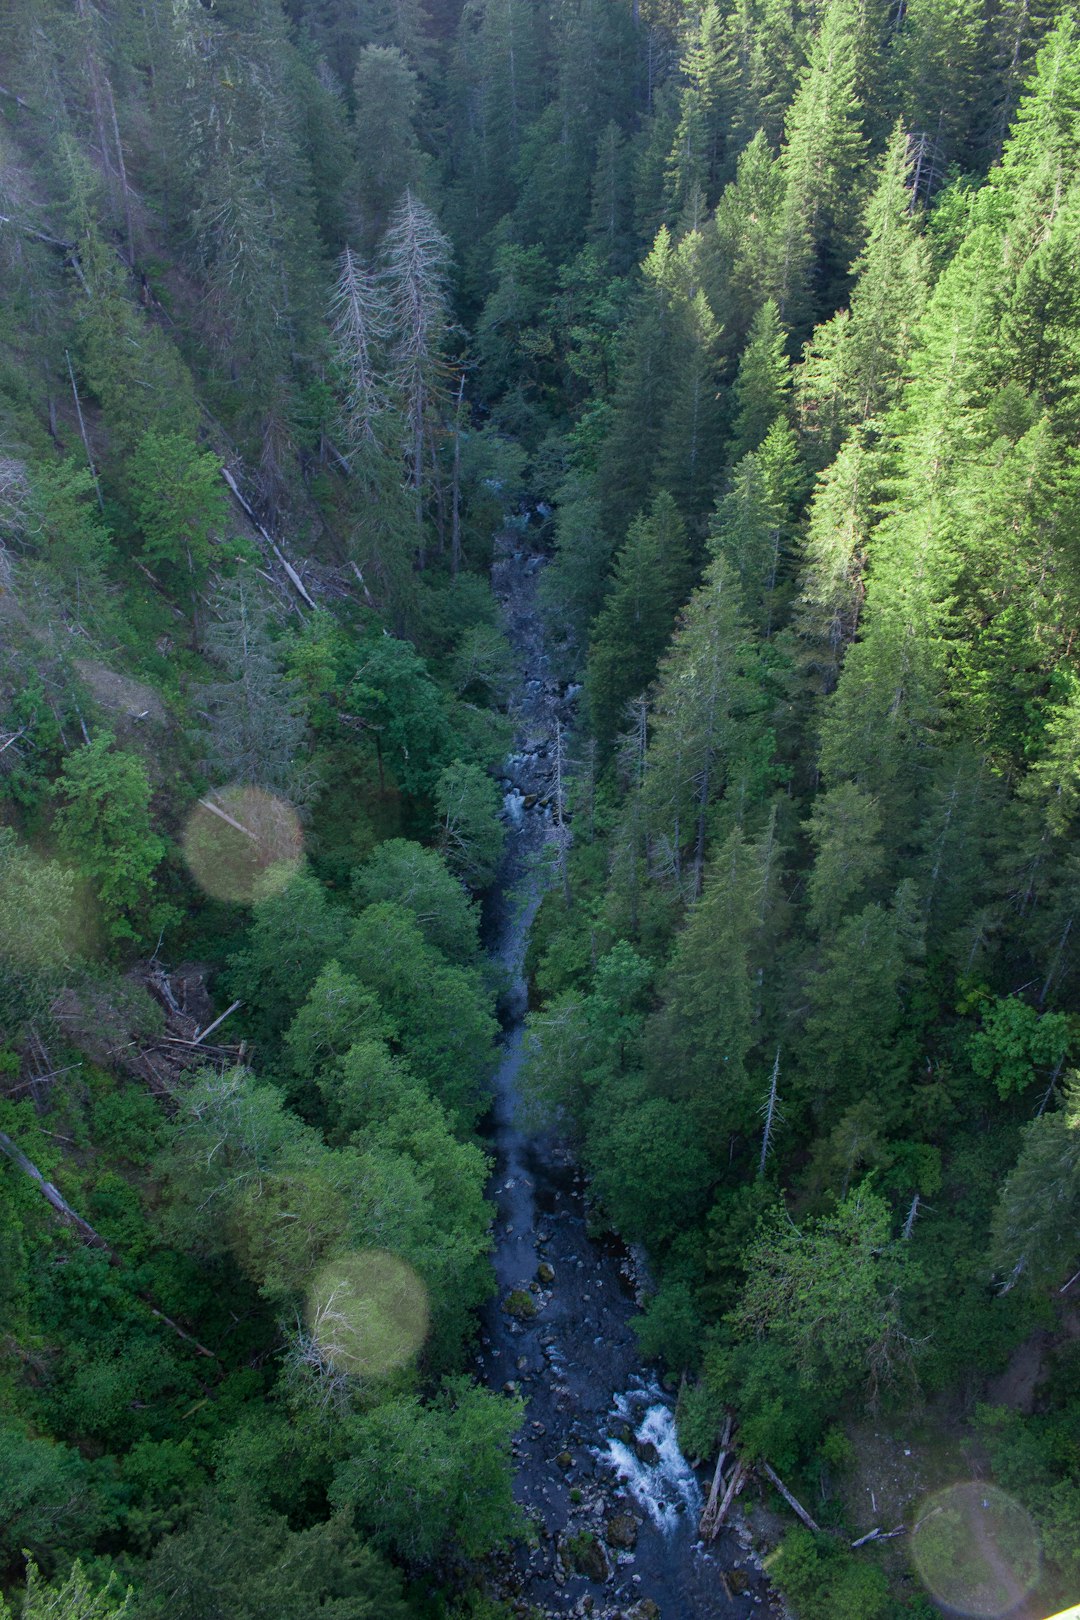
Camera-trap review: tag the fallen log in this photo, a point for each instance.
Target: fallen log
(705, 1523)
(879, 1535)
(71, 1218)
(294, 577)
(734, 1486)
(795, 1506)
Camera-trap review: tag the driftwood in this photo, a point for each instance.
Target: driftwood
(734, 1486)
(795, 1506)
(705, 1525)
(879, 1535)
(94, 1239)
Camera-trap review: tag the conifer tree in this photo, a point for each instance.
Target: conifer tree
(753, 524)
(855, 364)
(822, 160)
(831, 587)
(254, 722)
(698, 149)
(763, 382)
(700, 745)
(388, 157)
(649, 578)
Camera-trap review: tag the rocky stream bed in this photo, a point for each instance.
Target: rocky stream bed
(613, 1503)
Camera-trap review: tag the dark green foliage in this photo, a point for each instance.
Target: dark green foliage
(764, 318)
(250, 1563)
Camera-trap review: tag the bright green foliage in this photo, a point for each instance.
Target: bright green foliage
(747, 225)
(752, 525)
(700, 138)
(417, 880)
(179, 500)
(664, 429)
(831, 585)
(441, 1013)
(426, 1480)
(763, 383)
(37, 940)
(942, 57)
(826, 1295)
(855, 364)
(133, 369)
(822, 161)
(472, 837)
(70, 533)
(702, 749)
(337, 1015)
(823, 881)
(75, 1598)
(402, 706)
(1016, 1044)
(825, 1583)
(103, 825)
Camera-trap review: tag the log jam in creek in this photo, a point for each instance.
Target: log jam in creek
(613, 1502)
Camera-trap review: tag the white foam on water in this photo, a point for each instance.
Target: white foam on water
(514, 806)
(666, 1490)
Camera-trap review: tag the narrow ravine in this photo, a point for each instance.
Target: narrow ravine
(614, 1503)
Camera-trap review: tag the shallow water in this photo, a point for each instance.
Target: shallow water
(599, 1437)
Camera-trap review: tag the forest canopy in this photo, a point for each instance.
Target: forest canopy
(760, 322)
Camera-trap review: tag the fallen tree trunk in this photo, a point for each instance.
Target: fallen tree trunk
(795, 1506)
(734, 1486)
(71, 1218)
(705, 1523)
(294, 577)
(879, 1535)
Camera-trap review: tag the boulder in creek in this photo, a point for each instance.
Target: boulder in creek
(646, 1453)
(545, 1273)
(584, 1554)
(520, 1304)
(621, 1531)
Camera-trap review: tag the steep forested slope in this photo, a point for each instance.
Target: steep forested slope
(773, 309)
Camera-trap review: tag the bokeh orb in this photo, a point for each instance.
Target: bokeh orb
(976, 1550)
(242, 843)
(367, 1312)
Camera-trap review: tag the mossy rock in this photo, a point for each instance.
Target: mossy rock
(545, 1273)
(585, 1555)
(621, 1531)
(520, 1304)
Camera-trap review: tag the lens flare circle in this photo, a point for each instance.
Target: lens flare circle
(367, 1312)
(976, 1550)
(241, 843)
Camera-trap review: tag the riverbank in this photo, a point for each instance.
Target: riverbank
(612, 1503)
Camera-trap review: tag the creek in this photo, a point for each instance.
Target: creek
(598, 1467)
